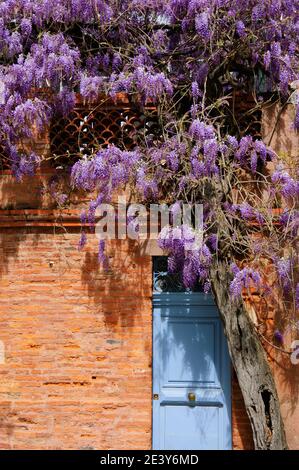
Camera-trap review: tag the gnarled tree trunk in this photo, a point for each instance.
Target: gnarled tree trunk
(250, 362)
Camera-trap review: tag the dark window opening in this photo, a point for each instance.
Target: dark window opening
(164, 281)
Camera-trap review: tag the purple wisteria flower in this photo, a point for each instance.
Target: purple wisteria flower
(188, 255)
(207, 286)
(296, 123)
(213, 241)
(247, 212)
(195, 90)
(26, 27)
(284, 268)
(200, 131)
(82, 241)
(288, 187)
(244, 279)
(110, 164)
(90, 87)
(102, 256)
(278, 336)
(297, 296)
(202, 26)
(83, 217)
(267, 60)
(31, 112)
(233, 142)
(152, 85)
(240, 28)
(64, 102)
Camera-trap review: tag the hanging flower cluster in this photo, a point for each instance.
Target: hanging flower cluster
(244, 279)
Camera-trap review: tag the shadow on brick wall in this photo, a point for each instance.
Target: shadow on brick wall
(123, 291)
(6, 426)
(9, 249)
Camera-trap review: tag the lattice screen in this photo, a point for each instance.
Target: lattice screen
(87, 129)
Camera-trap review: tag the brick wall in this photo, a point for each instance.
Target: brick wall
(241, 430)
(77, 370)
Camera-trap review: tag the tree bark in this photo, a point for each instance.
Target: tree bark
(251, 365)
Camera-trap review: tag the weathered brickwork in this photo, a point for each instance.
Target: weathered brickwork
(241, 430)
(77, 370)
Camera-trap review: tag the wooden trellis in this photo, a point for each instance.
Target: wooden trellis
(89, 128)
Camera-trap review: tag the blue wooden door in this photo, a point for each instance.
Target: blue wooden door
(191, 374)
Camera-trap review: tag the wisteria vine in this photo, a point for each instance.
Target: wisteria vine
(189, 58)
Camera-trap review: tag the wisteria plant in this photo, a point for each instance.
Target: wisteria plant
(191, 59)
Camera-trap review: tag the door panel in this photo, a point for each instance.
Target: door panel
(190, 351)
(193, 427)
(190, 357)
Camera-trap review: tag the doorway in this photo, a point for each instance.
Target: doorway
(191, 368)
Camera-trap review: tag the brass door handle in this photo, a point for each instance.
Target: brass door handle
(191, 396)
